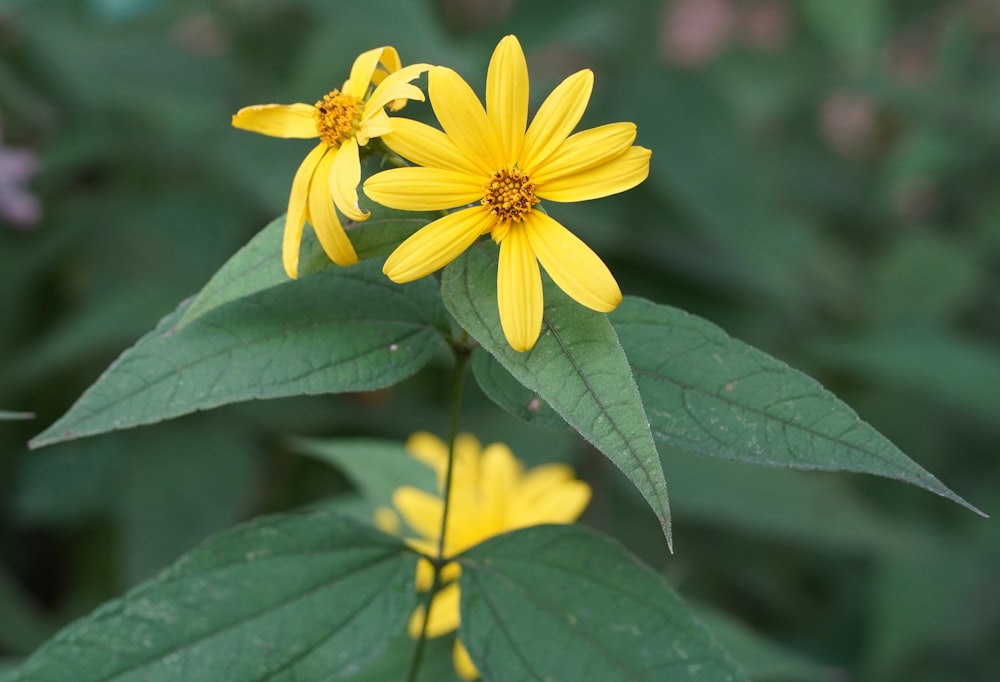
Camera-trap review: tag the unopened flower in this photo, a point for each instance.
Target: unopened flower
(487, 158)
(491, 493)
(344, 120)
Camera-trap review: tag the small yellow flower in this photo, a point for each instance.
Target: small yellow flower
(490, 494)
(487, 158)
(344, 120)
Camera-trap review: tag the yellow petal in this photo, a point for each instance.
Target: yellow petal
(387, 521)
(584, 151)
(362, 72)
(324, 218)
(461, 115)
(437, 244)
(464, 666)
(345, 174)
(444, 616)
(562, 504)
(278, 120)
(507, 97)
(556, 118)
(424, 189)
(396, 86)
(519, 290)
(375, 126)
(539, 480)
(295, 218)
(425, 575)
(571, 264)
(427, 146)
(501, 475)
(617, 175)
(420, 510)
(431, 450)
(389, 62)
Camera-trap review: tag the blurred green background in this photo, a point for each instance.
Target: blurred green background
(825, 185)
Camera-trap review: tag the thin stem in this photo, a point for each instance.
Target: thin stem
(463, 353)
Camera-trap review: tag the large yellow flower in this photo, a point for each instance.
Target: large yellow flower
(487, 158)
(344, 120)
(490, 494)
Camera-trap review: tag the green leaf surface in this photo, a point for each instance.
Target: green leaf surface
(296, 597)
(562, 603)
(308, 336)
(507, 392)
(577, 366)
(708, 393)
(257, 266)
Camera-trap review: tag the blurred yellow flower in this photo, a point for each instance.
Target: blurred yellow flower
(487, 157)
(344, 120)
(491, 493)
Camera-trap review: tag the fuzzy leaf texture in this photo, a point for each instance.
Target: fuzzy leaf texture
(708, 393)
(294, 597)
(577, 366)
(562, 603)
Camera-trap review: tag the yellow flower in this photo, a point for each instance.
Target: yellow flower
(490, 494)
(487, 158)
(344, 120)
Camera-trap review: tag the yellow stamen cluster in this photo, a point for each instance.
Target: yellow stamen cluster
(509, 195)
(338, 116)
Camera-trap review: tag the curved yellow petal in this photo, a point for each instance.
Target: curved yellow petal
(425, 575)
(428, 146)
(501, 476)
(556, 118)
(444, 617)
(507, 97)
(396, 86)
(519, 290)
(278, 120)
(541, 479)
(427, 448)
(424, 189)
(388, 62)
(323, 217)
(571, 264)
(464, 666)
(585, 150)
(420, 510)
(295, 218)
(461, 114)
(562, 504)
(375, 126)
(437, 244)
(362, 72)
(345, 174)
(617, 175)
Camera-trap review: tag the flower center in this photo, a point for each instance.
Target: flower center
(338, 117)
(509, 195)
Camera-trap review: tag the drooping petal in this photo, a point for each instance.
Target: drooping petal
(424, 189)
(437, 244)
(464, 666)
(444, 616)
(396, 86)
(519, 290)
(420, 510)
(556, 118)
(376, 126)
(617, 175)
(324, 218)
(389, 62)
(295, 218)
(571, 264)
(460, 113)
(278, 120)
(345, 174)
(427, 146)
(585, 150)
(507, 97)
(362, 71)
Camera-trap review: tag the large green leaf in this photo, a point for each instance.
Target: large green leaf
(342, 329)
(257, 266)
(561, 603)
(296, 597)
(711, 394)
(577, 367)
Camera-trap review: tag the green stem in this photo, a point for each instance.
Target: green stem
(463, 353)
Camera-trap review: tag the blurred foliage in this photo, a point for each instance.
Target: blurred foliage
(823, 187)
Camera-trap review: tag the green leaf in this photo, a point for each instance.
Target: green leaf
(562, 603)
(257, 266)
(577, 367)
(300, 596)
(507, 392)
(308, 336)
(713, 395)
